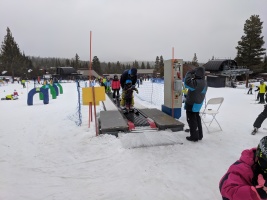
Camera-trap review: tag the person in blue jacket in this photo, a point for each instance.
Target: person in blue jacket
(197, 88)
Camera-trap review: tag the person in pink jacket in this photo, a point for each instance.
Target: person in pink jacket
(245, 179)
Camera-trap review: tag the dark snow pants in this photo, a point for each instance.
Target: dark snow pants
(262, 116)
(114, 93)
(261, 98)
(195, 126)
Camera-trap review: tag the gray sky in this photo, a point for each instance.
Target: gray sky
(127, 30)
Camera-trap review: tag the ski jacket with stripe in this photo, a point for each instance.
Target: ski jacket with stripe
(197, 87)
(237, 183)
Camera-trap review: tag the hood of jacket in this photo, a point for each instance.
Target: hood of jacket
(200, 72)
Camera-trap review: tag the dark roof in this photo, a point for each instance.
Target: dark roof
(220, 65)
(66, 70)
(87, 72)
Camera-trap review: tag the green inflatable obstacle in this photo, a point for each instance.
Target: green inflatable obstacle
(52, 91)
(60, 88)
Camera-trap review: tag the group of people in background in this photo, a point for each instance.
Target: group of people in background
(127, 82)
(261, 89)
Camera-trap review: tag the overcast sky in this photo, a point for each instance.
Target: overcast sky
(127, 30)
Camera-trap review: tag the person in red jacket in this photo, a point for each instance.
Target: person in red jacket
(115, 86)
(246, 178)
(15, 95)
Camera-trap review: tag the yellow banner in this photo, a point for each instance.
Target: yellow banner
(87, 95)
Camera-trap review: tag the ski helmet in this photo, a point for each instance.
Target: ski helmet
(261, 153)
(128, 82)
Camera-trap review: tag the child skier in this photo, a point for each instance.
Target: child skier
(250, 88)
(261, 117)
(15, 95)
(127, 100)
(246, 178)
(115, 86)
(108, 83)
(128, 75)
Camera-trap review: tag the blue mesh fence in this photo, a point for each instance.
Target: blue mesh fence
(77, 116)
(152, 92)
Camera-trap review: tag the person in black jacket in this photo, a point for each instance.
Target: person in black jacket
(197, 88)
(131, 75)
(259, 120)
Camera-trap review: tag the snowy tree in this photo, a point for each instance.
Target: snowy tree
(250, 48)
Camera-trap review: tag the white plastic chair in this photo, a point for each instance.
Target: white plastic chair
(212, 108)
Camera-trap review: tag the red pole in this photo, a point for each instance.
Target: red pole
(89, 76)
(172, 81)
(90, 108)
(90, 70)
(96, 129)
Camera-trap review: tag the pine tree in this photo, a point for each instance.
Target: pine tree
(67, 62)
(195, 61)
(10, 54)
(156, 69)
(265, 64)
(76, 61)
(118, 68)
(148, 65)
(96, 65)
(250, 47)
(161, 67)
(143, 65)
(109, 68)
(157, 63)
(136, 64)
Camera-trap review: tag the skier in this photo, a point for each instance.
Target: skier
(262, 89)
(115, 86)
(245, 179)
(15, 95)
(250, 88)
(127, 96)
(261, 117)
(9, 97)
(108, 84)
(131, 75)
(23, 83)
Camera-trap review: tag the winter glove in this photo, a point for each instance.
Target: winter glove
(259, 187)
(133, 87)
(261, 181)
(136, 90)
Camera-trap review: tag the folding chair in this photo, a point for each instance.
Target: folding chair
(212, 108)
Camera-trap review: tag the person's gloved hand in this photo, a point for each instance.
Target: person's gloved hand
(133, 86)
(261, 181)
(260, 188)
(136, 90)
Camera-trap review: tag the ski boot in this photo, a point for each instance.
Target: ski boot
(254, 131)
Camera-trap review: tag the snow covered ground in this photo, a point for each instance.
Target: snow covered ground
(44, 155)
